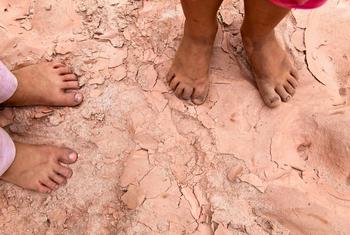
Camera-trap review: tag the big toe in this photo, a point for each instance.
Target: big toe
(269, 95)
(67, 156)
(200, 94)
(71, 99)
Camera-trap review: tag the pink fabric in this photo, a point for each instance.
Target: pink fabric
(8, 83)
(7, 151)
(8, 86)
(299, 4)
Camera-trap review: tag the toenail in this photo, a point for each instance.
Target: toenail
(274, 100)
(287, 98)
(78, 97)
(72, 156)
(198, 101)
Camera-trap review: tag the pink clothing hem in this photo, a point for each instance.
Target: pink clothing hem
(8, 86)
(7, 151)
(290, 4)
(8, 83)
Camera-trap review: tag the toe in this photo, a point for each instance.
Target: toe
(269, 95)
(58, 179)
(70, 85)
(64, 70)
(50, 184)
(285, 96)
(272, 101)
(179, 90)
(42, 188)
(199, 95)
(170, 76)
(71, 99)
(295, 74)
(187, 93)
(174, 83)
(67, 156)
(69, 77)
(63, 171)
(292, 81)
(57, 64)
(289, 88)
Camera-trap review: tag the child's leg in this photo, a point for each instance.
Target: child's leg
(188, 76)
(275, 75)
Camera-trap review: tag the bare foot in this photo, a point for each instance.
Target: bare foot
(46, 84)
(274, 73)
(39, 167)
(189, 75)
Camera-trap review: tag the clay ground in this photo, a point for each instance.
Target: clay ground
(152, 164)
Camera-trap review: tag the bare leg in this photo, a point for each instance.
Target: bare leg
(188, 76)
(275, 75)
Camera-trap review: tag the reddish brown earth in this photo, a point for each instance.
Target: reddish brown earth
(152, 164)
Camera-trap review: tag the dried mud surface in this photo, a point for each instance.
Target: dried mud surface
(152, 164)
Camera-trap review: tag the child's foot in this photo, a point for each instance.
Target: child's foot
(189, 75)
(45, 84)
(275, 75)
(39, 167)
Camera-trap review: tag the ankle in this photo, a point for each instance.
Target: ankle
(253, 36)
(253, 39)
(201, 33)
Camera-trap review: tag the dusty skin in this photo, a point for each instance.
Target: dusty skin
(274, 73)
(150, 163)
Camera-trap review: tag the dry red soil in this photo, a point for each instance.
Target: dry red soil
(152, 164)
